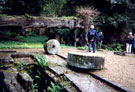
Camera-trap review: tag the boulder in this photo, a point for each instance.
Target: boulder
(119, 53)
(25, 80)
(52, 46)
(8, 82)
(86, 60)
(5, 58)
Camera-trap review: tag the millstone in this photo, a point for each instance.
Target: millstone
(52, 46)
(86, 60)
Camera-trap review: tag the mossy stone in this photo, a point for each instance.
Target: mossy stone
(86, 60)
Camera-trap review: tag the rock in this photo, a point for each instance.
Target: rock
(25, 80)
(8, 82)
(5, 58)
(119, 53)
(86, 60)
(52, 46)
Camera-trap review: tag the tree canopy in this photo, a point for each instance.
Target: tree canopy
(114, 14)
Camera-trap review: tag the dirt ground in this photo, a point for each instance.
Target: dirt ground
(117, 69)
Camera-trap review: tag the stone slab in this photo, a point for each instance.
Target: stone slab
(84, 82)
(86, 60)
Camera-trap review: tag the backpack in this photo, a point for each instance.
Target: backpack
(91, 35)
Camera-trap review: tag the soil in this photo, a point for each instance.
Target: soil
(117, 69)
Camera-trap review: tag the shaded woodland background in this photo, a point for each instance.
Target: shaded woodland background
(116, 17)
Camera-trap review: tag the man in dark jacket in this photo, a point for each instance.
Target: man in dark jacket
(92, 37)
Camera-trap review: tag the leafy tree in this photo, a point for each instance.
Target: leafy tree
(54, 7)
(34, 7)
(20, 7)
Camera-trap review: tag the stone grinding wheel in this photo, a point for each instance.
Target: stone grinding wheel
(86, 60)
(52, 46)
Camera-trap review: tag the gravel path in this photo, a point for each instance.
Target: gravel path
(118, 69)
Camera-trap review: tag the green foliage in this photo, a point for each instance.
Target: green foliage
(33, 38)
(42, 61)
(115, 20)
(28, 16)
(20, 7)
(82, 48)
(65, 32)
(8, 33)
(113, 47)
(34, 88)
(19, 45)
(69, 17)
(54, 88)
(53, 7)
(117, 47)
(33, 41)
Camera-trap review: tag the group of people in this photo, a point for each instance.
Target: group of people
(92, 38)
(130, 43)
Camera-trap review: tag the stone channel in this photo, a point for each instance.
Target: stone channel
(57, 71)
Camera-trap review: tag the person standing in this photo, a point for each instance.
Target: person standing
(101, 37)
(134, 44)
(92, 37)
(129, 42)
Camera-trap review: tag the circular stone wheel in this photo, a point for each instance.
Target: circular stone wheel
(52, 46)
(86, 60)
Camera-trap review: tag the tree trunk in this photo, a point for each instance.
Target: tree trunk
(85, 30)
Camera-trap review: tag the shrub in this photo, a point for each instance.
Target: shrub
(54, 88)
(82, 48)
(113, 47)
(42, 61)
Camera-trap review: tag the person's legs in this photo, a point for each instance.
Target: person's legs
(94, 47)
(127, 47)
(134, 50)
(100, 44)
(90, 45)
(130, 48)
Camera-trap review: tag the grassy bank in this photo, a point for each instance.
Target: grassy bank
(33, 41)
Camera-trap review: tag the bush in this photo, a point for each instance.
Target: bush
(83, 48)
(113, 47)
(42, 61)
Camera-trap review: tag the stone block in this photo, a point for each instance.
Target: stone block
(86, 60)
(8, 82)
(25, 80)
(5, 58)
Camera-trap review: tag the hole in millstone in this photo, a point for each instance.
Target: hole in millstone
(53, 46)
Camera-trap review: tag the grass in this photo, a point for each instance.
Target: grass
(33, 41)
